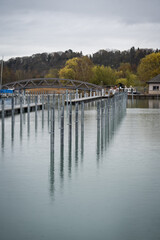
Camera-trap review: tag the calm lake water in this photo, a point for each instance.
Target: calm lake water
(98, 188)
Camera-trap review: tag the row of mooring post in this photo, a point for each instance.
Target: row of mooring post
(109, 111)
(13, 110)
(103, 109)
(69, 122)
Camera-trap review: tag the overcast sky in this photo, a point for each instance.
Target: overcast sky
(32, 26)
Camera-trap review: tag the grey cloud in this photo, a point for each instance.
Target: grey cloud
(126, 10)
(29, 26)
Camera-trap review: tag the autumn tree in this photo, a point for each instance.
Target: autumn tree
(124, 68)
(149, 67)
(78, 69)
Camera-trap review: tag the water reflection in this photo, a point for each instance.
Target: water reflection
(3, 133)
(12, 128)
(28, 124)
(62, 163)
(52, 178)
(143, 103)
(42, 118)
(70, 157)
(109, 116)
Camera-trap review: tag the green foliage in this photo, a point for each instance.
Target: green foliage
(126, 75)
(124, 68)
(149, 67)
(52, 73)
(103, 75)
(57, 64)
(67, 73)
(122, 80)
(78, 69)
(131, 79)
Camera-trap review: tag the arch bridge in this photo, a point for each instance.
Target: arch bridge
(51, 83)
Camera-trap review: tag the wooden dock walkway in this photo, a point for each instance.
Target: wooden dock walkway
(8, 109)
(144, 96)
(85, 99)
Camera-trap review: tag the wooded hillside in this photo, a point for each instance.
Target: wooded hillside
(39, 65)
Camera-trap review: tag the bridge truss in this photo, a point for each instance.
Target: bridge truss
(51, 83)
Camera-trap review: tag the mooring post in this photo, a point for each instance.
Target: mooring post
(52, 125)
(70, 136)
(3, 113)
(43, 110)
(21, 106)
(28, 102)
(63, 99)
(59, 109)
(67, 102)
(12, 102)
(15, 96)
(76, 93)
(90, 93)
(36, 106)
(48, 106)
(102, 121)
(12, 125)
(98, 114)
(76, 133)
(76, 118)
(70, 119)
(82, 128)
(21, 112)
(43, 104)
(98, 129)
(62, 128)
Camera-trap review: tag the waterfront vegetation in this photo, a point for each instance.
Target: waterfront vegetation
(131, 68)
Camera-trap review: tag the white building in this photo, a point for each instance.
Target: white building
(154, 85)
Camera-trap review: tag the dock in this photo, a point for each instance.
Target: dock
(144, 96)
(17, 108)
(85, 99)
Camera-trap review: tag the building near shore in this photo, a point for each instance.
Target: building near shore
(154, 85)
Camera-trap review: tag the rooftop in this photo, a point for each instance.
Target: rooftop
(155, 79)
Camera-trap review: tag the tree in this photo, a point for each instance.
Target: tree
(124, 68)
(52, 73)
(103, 75)
(149, 67)
(8, 75)
(78, 69)
(122, 80)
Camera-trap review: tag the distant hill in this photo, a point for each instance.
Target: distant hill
(39, 64)
(114, 58)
